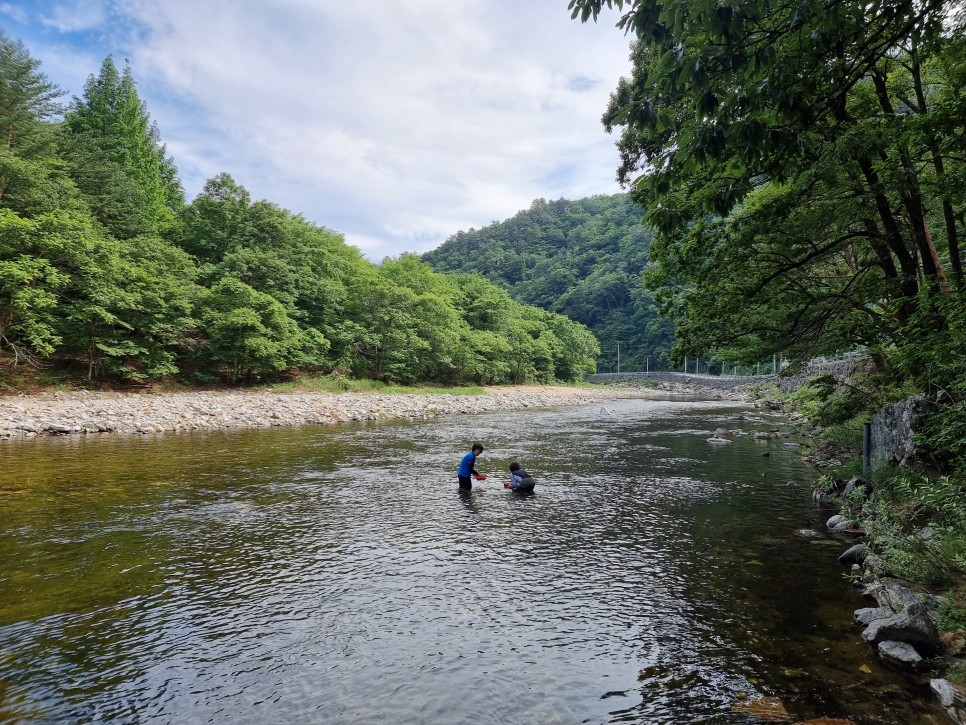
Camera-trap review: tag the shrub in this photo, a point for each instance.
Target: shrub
(917, 526)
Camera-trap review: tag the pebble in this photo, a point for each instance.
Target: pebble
(27, 416)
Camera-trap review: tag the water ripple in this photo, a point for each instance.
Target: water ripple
(335, 575)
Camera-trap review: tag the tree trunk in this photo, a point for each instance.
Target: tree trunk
(911, 195)
(893, 235)
(949, 216)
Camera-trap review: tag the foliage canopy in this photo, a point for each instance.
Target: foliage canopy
(104, 266)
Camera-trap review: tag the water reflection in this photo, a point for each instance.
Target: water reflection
(336, 575)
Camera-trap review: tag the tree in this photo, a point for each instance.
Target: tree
(28, 101)
(213, 223)
(111, 122)
(844, 103)
(29, 284)
(435, 317)
(249, 334)
(31, 181)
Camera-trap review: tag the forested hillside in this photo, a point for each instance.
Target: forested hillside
(581, 258)
(106, 269)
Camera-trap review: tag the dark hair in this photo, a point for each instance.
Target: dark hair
(515, 466)
(477, 447)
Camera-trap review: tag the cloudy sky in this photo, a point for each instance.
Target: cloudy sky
(395, 122)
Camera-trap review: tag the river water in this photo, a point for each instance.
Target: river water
(335, 575)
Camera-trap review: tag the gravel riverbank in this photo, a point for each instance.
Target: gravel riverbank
(81, 412)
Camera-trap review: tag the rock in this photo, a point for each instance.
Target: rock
(48, 414)
(833, 521)
(868, 614)
(854, 482)
(826, 502)
(901, 654)
(872, 566)
(951, 699)
(889, 593)
(894, 428)
(912, 625)
(769, 709)
(837, 524)
(853, 554)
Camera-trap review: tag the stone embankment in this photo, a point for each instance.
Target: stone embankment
(140, 413)
(719, 387)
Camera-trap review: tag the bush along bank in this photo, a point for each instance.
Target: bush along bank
(902, 521)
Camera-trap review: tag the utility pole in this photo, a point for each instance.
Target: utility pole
(647, 365)
(618, 356)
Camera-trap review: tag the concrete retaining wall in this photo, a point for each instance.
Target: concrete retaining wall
(717, 382)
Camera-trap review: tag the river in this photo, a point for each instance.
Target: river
(334, 574)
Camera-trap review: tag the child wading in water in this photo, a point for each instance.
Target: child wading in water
(468, 468)
(520, 479)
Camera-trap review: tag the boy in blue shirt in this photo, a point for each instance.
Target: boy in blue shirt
(468, 468)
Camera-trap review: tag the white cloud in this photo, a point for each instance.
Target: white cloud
(395, 123)
(16, 13)
(69, 17)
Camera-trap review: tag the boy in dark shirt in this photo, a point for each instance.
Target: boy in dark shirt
(520, 479)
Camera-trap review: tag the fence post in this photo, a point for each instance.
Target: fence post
(866, 447)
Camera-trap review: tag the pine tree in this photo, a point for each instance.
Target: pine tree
(111, 125)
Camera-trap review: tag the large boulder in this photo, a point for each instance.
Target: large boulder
(893, 431)
(912, 625)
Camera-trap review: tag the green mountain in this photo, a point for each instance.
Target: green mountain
(582, 259)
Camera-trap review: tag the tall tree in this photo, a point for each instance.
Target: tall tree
(28, 100)
(31, 180)
(111, 125)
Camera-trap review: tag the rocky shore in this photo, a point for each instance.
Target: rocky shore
(81, 412)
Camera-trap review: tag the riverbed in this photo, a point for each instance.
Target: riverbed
(334, 574)
(82, 412)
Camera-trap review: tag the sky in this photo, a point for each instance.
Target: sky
(394, 122)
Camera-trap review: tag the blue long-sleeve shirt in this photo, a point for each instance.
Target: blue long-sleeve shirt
(468, 465)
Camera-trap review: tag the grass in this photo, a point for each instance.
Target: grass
(63, 378)
(330, 384)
